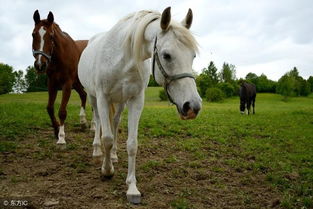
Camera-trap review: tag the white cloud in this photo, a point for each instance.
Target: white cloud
(257, 36)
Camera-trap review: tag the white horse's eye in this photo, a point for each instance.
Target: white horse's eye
(166, 56)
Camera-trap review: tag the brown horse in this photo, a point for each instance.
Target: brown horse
(57, 55)
(247, 97)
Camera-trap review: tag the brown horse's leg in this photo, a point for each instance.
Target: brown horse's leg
(50, 107)
(249, 106)
(83, 97)
(253, 105)
(66, 93)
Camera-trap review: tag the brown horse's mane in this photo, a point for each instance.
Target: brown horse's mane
(56, 28)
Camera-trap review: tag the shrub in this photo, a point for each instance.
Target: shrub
(152, 82)
(203, 83)
(236, 89)
(163, 95)
(227, 88)
(214, 94)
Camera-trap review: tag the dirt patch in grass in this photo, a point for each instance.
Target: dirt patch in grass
(169, 175)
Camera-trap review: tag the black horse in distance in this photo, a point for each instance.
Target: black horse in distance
(247, 97)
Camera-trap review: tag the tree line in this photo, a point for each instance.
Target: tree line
(213, 85)
(15, 81)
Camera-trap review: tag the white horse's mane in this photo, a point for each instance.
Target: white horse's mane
(134, 38)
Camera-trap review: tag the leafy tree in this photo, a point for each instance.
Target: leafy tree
(310, 81)
(262, 83)
(207, 78)
(35, 81)
(304, 87)
(228, 73)
(19, 84)
(212, 73)
(252, 77)
(286, 85)
(294, 72)
(7, 78)
(292, 84)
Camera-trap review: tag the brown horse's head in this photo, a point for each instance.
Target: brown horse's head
(42, 41)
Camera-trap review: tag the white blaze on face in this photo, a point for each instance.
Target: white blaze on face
(42, 33)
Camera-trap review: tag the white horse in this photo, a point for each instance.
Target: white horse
(113, 70)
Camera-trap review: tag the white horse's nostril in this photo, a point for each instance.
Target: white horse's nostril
(186, 107)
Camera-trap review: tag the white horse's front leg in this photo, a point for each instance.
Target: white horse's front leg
(135, 108)
(116, 122)
(103, 106)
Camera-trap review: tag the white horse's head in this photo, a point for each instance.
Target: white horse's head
(174, 51)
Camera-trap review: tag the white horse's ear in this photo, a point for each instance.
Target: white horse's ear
(166, 18)
(36, 17)
(188, 19)
(50, 17)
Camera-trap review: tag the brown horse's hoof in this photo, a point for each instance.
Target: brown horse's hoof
(83, 126)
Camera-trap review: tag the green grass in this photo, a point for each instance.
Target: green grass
(276, 142)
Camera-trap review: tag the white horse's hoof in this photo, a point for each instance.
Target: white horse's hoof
(107, 173)
(133, 195)
(92, 126)
(97, 151)
(134, 198)
(114, 158)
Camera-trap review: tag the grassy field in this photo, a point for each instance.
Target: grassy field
(220, 160)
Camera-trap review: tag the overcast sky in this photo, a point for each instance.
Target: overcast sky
(260, 36)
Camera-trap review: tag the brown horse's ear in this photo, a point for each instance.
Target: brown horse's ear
(166, 18)
(188, 19)
(50, 17)
(36, 17)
